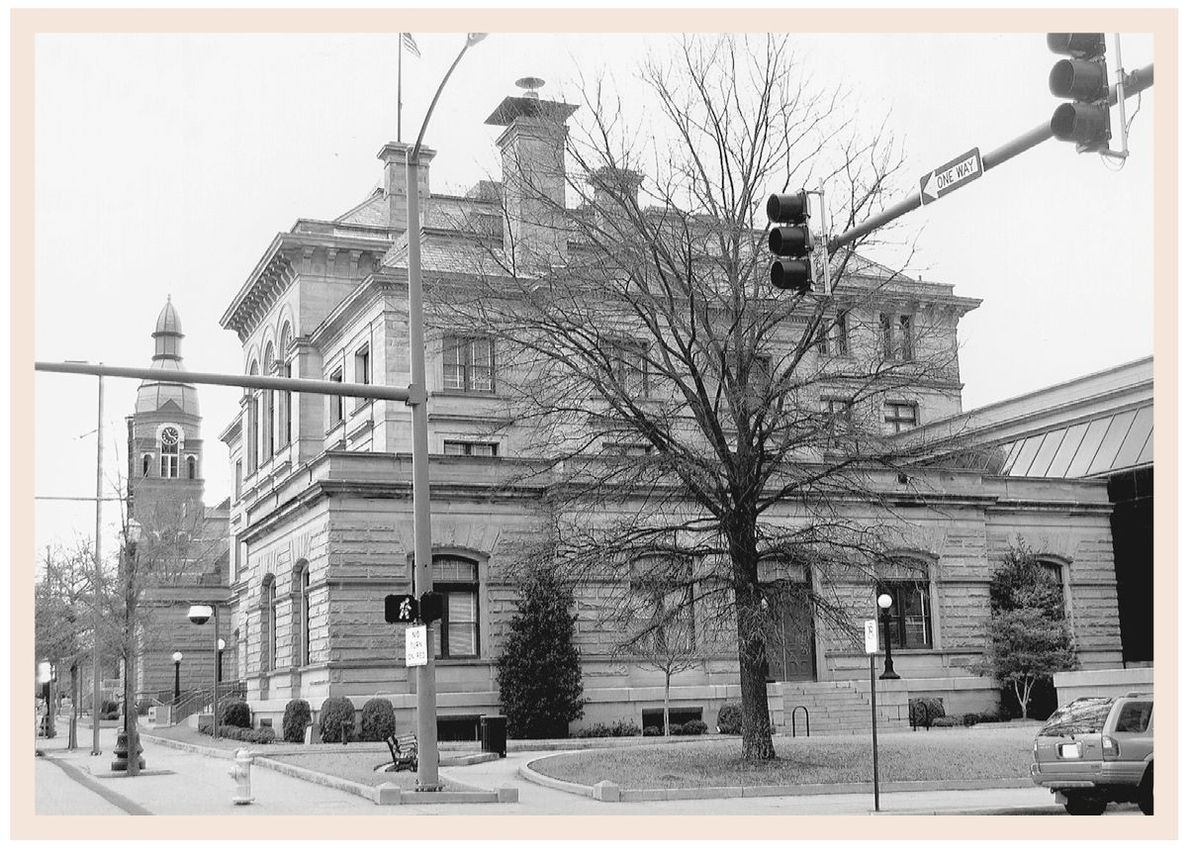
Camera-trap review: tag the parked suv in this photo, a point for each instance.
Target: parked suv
(1097, 750)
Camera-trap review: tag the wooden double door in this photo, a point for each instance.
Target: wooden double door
(791, 635)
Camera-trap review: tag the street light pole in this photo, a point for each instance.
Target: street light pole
(428, 760)
(884, 602)
(95, 585)
(177, 668)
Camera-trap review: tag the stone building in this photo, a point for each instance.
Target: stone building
(321, 525)
(182, 552)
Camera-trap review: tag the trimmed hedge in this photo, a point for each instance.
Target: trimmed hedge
(621, 728)
(263, 736)
(337, 720)
(236, 714)
(377, 721)
(295, 720)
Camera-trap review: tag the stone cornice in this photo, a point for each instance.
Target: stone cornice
(293, 254)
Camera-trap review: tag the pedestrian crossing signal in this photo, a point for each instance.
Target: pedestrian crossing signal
(401, 609)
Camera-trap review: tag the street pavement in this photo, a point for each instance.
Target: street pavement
(184, 782)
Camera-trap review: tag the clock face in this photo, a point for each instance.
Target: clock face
(170, 437)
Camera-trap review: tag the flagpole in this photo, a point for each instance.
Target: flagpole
(400, 50)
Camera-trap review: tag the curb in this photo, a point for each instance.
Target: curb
(383, 794)
(607, 791)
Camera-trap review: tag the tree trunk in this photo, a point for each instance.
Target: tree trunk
(667, 703)
(72, 740)
(756, 742)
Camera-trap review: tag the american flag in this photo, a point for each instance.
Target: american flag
(410, 45)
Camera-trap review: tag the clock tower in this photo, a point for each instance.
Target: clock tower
(165, 450)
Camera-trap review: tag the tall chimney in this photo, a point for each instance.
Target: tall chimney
(393, 156)
(532, 175)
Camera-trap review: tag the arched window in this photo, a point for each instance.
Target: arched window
(146, 463)
(905, 580)
(252, 433)
(192, 467)
(1056, 575)
(168, 444)
(306, 614)
(269, 624)
(267, 432)
(285, 369)
(457, 635)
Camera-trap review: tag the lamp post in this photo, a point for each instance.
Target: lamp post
(132, 535)
(884, 602)
(199, 615)
(177, 667)
(97, 600)
(219, 662)
(428, 761)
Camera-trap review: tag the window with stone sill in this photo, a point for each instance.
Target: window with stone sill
(483, 450)
(468, 363)
(335, 412)
(896, 336)
(898, 416)
(906, 582)
(362, 361)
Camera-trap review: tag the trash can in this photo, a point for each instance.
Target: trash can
(493, 734)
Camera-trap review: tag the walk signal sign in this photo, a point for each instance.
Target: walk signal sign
(401, 609)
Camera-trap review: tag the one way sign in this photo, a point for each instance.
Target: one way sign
(950, 176)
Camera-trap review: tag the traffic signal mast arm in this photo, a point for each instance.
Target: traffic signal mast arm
(1136, 82)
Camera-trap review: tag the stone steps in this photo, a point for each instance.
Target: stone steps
(833, 708)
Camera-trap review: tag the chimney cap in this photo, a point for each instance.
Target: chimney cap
(530, 85)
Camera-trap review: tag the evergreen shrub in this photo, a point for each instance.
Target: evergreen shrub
(295, 720)
(538, 674)
(729, 717)
(377, 720)
(337, 718)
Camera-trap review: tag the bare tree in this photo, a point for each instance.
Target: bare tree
(678, 403)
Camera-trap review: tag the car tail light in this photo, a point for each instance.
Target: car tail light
(1109, 746)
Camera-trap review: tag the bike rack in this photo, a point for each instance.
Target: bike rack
(807, 721)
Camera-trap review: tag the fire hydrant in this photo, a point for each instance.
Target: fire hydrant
(241, 772)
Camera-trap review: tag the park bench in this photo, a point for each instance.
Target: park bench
(404, 751)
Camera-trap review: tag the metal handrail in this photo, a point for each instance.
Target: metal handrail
(807, 721)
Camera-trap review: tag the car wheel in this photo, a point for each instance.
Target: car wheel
(1081, 805)
(1146, 793)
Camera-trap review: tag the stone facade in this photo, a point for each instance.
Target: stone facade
(321, 524)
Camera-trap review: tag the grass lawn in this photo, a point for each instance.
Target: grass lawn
(355, 766)
(935, 755)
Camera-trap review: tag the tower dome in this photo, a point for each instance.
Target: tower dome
(167, 353)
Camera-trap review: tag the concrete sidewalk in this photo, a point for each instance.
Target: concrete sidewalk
(187, 782)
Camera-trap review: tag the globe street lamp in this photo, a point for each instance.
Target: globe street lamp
(199, 615)
(428, 761)
(219, 664)
(177, 666)
(884, 602)
(132, 535)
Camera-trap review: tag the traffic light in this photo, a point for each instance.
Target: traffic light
(1086, 120)
(791, 238)
(401, 609)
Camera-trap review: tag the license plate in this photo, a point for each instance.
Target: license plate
(1070, 749)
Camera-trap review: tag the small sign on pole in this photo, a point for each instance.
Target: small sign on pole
(416, 646)
(950, 176)
(871, 637)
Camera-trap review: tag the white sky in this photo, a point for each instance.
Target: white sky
(166, 164)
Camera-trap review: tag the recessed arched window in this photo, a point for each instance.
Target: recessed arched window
(146, 464)
(457, 635)
(192, 467)
(269, 623)
(285, 369)
(268, 429)
(252, 432)
(168, 443)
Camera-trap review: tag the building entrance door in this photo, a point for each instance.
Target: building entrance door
(791, 639)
